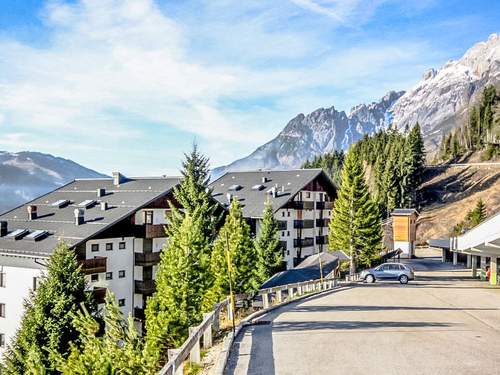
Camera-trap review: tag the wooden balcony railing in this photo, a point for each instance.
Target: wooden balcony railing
(154, 231)
(324, 205)
(147, 259)
(282, 225)
(139, 313)
(303, 205)
(321, 240)
(146, 287)
(94, 265)
(303, 224)
(322, 222)
(99, 295)
(303, 242)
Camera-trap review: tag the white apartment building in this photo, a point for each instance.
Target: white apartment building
(302, 201)
(115, 226)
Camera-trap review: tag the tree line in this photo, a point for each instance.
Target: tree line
(62, 331)
(481, 131)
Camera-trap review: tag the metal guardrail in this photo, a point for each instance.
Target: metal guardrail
(192, 346)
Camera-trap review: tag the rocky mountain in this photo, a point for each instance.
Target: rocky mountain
(438, 102)
(25, 175)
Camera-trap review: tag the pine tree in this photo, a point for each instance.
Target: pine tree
(194, 195)
(267, 245)
(234, 238)
(355, 226)
(47, 325)
(177, 303)
(477, 215)
(117, 350)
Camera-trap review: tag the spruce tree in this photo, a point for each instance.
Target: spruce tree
(355, 226)
(47, 324)
(177, 303)
(267, 245)
(117, 350)
(478, 214)
(234, 239)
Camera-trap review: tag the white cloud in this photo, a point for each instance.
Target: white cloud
(114, 72)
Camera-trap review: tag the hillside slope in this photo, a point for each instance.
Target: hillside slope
(448, 193)
(26, 175)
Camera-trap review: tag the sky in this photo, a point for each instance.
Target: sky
(131, 85)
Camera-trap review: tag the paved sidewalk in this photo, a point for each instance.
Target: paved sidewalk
(443, 323)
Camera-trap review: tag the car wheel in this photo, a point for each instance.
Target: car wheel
(403, 279)
(370, 279)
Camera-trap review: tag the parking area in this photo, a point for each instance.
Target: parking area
(442, 323)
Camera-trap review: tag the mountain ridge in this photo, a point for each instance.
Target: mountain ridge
(439, 102)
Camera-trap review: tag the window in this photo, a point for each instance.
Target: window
(282, 234)
(35, 283)
(288, 233)
(121, 245)
(282, 213)
(121, 274)
(2, 310)
(2, 340)
(288, 252)
(308, 194)
(288, 212)
(95, 247)
(148, 217)
(94, 277)
(121, 302)
(2, 279)
(109, 275)
(109, 246)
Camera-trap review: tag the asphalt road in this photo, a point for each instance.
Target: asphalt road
(443, 323)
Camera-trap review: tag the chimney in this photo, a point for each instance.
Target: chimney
(79, 216)
(229, 198)
(101, 192)
(283, 188)
(264, 179)
(274, 192)
(118, 178)
(32, 212)
(3, 228)
(104, 206)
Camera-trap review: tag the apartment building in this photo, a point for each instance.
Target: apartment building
(115, 226)
(302, 203)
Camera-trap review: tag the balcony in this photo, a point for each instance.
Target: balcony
(303, 242)
(99, 295)
(321, 240)
(139, 313)
(95, 265)
(147, 259)
(324, 205)
(154, 231)
(282, 225)
(322, 223)
(282, 245)
(303, 224)
(303, 205)
(146, 287)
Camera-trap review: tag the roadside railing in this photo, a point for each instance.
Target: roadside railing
(192, 346)
(202, 335)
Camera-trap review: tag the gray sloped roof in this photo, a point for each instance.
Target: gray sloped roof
(123, 200)
(308, 269)
(253, 200)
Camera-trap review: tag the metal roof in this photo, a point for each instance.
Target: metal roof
(404, 212)
(252, 199)
(123, 200)
(308, 269)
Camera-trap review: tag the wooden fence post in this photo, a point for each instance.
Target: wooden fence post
(207, 335)
(195, 353)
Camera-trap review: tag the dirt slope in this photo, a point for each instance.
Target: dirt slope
(448, 193)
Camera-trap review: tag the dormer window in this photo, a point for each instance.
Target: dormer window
(148, 217)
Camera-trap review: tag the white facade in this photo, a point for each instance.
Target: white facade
(19, 276)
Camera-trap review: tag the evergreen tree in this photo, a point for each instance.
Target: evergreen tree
(47, 324)
(477, 215)
(355, 226)
(117, 350)
(267, 245)
(177, 303)
(233, 240)
(194, 195)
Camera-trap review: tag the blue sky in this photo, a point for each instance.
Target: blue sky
(129, 85)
